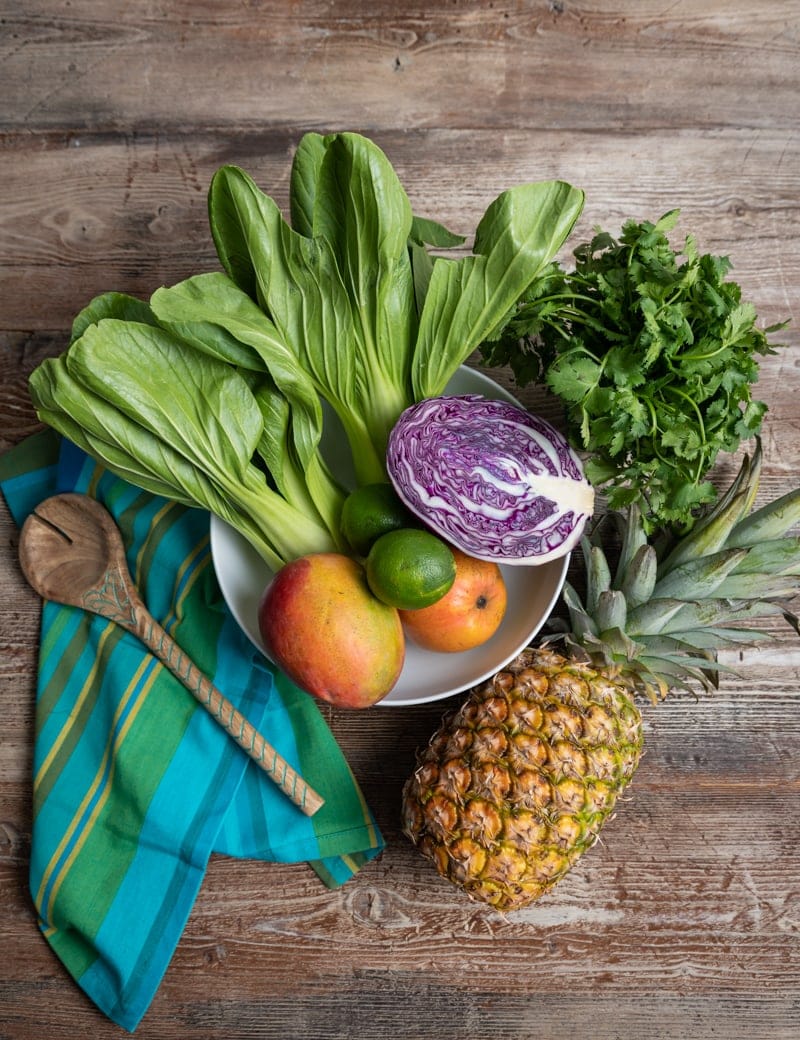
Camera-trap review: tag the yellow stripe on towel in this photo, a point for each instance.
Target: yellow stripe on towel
(105, 769)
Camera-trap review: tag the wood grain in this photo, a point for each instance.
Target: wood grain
(352, 65)
(685, 920)
(132, 213)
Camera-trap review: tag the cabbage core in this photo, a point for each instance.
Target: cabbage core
(490, 478)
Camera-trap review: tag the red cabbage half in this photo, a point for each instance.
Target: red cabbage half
(490, 478)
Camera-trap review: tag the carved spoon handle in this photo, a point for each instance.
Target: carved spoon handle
(230, 718)
(71, 551)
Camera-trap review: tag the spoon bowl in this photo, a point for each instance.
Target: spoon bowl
(71, 552)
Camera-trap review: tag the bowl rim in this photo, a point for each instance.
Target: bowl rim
(232, 575)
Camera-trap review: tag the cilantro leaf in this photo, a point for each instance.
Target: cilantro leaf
(573, 377)
(654, 354)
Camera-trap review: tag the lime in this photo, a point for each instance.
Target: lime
(410, 568)
(371, 511)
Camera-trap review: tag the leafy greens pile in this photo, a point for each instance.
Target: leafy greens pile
(653, 357)
(211, 394)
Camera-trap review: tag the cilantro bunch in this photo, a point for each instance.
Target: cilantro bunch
(654, 354)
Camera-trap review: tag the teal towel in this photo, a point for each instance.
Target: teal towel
(135, 785)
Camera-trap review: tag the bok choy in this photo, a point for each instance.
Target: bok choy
(212, 393)
(177, 424)
(341, 287)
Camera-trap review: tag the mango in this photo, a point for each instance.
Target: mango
(333, 638)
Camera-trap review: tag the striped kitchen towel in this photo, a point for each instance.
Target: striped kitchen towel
(134, 783)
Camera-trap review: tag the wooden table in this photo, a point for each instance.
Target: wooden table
(684, 920)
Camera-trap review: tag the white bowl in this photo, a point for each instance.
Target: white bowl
(426, 676)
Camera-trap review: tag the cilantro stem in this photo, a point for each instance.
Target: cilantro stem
(707, 357)
(570, 314)
(680, 393)
(699, 469)
(564, 296)
(579, 318)
(653, 423)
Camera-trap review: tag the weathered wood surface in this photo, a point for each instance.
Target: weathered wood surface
(685, 921)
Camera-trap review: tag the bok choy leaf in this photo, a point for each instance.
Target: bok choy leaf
(467, 300)
(298, 285)
(212, 314)
(303, 179)
(344, 287)
(176, 423)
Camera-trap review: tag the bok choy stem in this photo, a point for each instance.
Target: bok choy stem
(213, 393)
(179, 425)
(340, 288)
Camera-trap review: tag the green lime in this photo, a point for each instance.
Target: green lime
(410, 568)
(371, 511)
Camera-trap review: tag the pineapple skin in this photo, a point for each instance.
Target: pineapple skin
(515, 785)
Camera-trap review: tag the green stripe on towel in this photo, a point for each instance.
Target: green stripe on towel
(135, 785)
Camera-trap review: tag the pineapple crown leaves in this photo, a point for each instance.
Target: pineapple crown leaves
(661, 619)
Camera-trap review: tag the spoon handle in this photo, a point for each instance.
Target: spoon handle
(116, 598)
(230, 718)
(71, 551)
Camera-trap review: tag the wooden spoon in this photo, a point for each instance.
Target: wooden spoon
(71, 552)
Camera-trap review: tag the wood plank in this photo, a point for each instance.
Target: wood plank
(88, 213)
(621, 66)
(684, 920)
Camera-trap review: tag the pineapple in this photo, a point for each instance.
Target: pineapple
(517, 782)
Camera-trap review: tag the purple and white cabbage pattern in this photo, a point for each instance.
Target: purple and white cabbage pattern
(490, 478)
